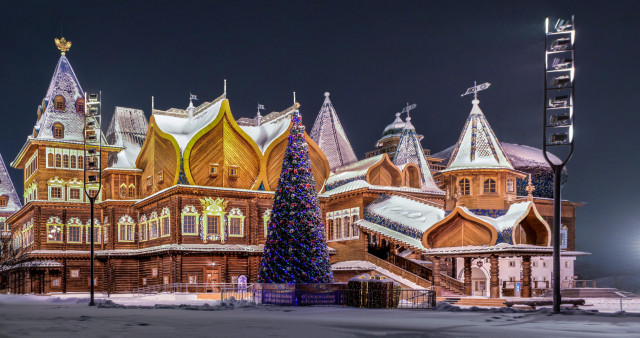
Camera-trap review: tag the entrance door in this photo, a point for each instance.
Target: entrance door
(211, 277)
(479, 282)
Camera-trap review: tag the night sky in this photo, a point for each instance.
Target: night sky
(374, 57)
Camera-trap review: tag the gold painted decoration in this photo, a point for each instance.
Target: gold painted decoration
(63, 45)
(217, 205)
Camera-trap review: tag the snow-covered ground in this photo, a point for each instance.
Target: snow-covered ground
(37, 316)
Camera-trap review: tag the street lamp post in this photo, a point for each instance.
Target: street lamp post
(559, 98)
(92, 168)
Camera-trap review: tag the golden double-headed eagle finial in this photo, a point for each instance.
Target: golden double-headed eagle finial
(62, 44)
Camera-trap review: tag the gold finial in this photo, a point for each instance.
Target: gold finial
(62, 44)
(530, 188)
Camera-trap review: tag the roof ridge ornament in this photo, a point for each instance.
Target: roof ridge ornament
(475, 89)
(62, 44)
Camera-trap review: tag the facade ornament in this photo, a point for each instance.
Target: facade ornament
(210, 205)
(62, 44)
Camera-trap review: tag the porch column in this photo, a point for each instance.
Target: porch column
(526, 276)
(467, 276)
(436, 275)
(494, 281)
(46, 281)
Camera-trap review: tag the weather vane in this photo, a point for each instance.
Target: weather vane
(408, 108)
(260, 106)
(62, 44)
(476, 88)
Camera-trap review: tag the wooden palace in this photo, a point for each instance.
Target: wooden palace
(187, 194)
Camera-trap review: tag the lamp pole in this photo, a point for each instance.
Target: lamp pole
(92, 168)
(558, 123)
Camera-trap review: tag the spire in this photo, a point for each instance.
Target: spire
(191, 109)
(410, 151)
(478, 146)
(530, 188)
(63, 103)
(328, 133)
(8, 191)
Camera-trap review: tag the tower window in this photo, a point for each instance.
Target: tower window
(132, 191)
(123, 191)
(65, 161)
(465, 187)
(58, 103)
(58, 161)
(80, 106)
(58, 130)
(489, 186)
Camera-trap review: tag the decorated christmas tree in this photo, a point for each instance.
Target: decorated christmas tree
(295, 249)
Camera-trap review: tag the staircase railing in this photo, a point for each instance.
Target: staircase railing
(446, 281)
(397, 270)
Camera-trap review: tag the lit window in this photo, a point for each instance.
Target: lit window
(55, 281)
(58, 103)
(510, 185)
(489, 186)
(165, 280)
(75, 273)
(465, 187)
(193, 279)
(54, 233)
(144, 281)
(154, 272)
(213, 225)
(58, 130)
(213, 170)
(564, 236)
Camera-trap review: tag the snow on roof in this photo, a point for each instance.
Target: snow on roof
(408, 240)
(264, 134)
(514, 215)
(364, 265)
(127, 129)
(212, 247)
(64, 83)
(410, 151)
(525, 156)
(7, 189)
(184, 125)
(477, 147)
(330, 136)
(410, 213)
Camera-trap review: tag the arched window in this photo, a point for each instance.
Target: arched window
(58, 103)
(80, 162)
(58, 130)
(50, 160)
(73, 161)
(465, 187)
(510, 185)
(3, 201)
(354, 228)
(123, 191)
(80, 106)
(330, 228)
(346, 227)
(132, 191)
(489, 186)
(338, 227)
(65, 161)
(58, 160)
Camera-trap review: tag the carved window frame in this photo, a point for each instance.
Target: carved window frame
(236, 214)
(190, 211)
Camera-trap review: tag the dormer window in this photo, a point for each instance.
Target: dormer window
(58, 130)
(3, 201)
(80, 106)
(233, 171)
(490, 186)
(213, 170)
(58, 103)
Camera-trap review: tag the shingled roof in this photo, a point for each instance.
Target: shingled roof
(328, 133)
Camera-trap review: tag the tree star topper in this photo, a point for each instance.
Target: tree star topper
(62, 44)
